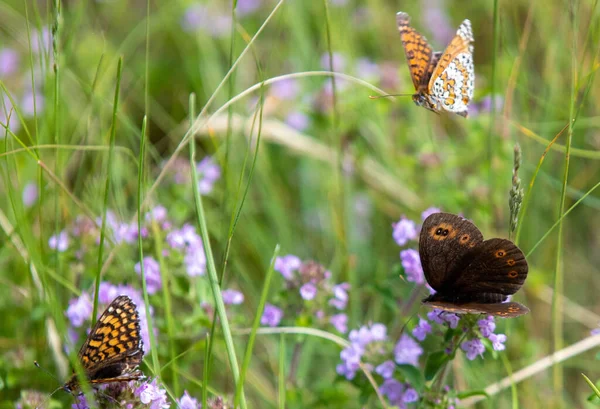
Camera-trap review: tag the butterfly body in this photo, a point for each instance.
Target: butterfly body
(468, 273)
(114, 349)
(443, 81)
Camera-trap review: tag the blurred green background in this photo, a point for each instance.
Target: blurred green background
(333, 171)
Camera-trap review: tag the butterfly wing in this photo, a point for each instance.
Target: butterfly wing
(445, 242)
(418, 52)
(452, 82)
(498, 269)
(505, 309)
(114, 348)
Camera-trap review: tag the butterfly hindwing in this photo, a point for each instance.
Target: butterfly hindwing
(505, 309)
(444, 243)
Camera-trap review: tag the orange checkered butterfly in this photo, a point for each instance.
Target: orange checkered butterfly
(443, 81)
(114, 349)
(469, 274)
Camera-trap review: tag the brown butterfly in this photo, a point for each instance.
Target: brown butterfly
(114, 349)
(470, 275)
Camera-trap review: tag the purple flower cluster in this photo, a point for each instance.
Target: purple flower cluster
(190, 243)
(474, 347)
(309, 283)
(150, 393)
(371, 346)
(404, 231)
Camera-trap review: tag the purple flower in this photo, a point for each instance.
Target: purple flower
(487, 326)
(285, 89)
(27, 103)
(365, 68)
(308, 291)
(151, 394)
(195, 260)
(407, 351)
(187, 402)
(393, 390)
(245, 7)
(232, 297)
(410, 395)
(286, 265)
(436, 316)
(9, 62)
(152, 272)
(59, 242)
(340, 294)
(208, 173)
(436, 17)
(498, 341)
(595, 331)
(339, 62)
(350, 357)
(421, 330)
(80, 402)
(80, 309)
(428, 212)
(411, 262)
(30, 194)
(451, 319)
(107, 292)
(365, 335)
(157, 214)
(298, 120)
(41, 42)
(198, 17)
(386, 369)
(271, 316)
(473, 348)
(404, 231)
(340, 322)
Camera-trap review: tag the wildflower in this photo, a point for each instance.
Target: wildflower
(232, 297)
(452, 319)
(80, 402)
(498, 341)
(298, 120)
(198, 17)
(285, 89)
(365, 68)
(486, 326)
(411, 262)
(308, 291)
(421, 330)
(340, 322)
(245, 7)
(340, 293)
(410, 395)
(350, 357)
(393, 390)
(407, 351)
(271, 316)
(473, 348)
(157, 214)
(286, 265)
(80, 309)
(436, 316)
(41, 42)
(32, 100)
(187, 402)
(339, 62)
(30, 194)
(386, 369)
(151, 394)
(9, 62)
(595, 331)
(59, 242)
(152, 273)
(208, 173)
(428, 212)
(404, 231)
(195, 260)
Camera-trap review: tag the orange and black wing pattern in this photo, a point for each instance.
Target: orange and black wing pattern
(418, 52)
(114, 348)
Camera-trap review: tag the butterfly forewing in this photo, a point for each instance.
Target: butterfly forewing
(114, 349)
(444, 243)
(418, 52)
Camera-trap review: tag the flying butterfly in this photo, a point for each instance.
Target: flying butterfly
(469, 274)
(443, 81)
(114, 349)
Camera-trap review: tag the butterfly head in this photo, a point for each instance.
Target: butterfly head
(423, 100)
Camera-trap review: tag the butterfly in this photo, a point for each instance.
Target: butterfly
(114, 348)
(443, 81)
(469, 274)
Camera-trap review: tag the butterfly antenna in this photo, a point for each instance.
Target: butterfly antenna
(49, 396)
(389, 95)
(48, 372)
